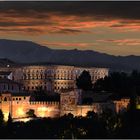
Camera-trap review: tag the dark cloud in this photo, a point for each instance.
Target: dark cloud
(98, 10)
(117, 25)
(67, 17)
(28, 23)
(69, 31)
(29, 30)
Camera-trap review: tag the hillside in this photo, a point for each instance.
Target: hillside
(30, 52)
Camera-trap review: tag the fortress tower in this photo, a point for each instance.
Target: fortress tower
(6, 104)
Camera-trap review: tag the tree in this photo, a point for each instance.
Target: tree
(9, 122)
(1, 118)
(111, 121)
(84, 81)
(39, 95)
(92, 115)
(9, 127)
(133, 100)
(31, 113)
(87, 100)
(119, 83)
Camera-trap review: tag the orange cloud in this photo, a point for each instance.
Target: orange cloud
(122, 42)
(65, 44)
(41, 23)
(127, 25)
(33, 22)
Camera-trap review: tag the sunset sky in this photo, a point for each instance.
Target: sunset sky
(108, 27)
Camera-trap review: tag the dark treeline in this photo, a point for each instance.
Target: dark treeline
(120, 84)
(84, 81)
(105, 125)
(42, 95)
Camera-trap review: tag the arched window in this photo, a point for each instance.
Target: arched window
(12, 87)
(36, 76)
(4, 86)
(8, 87)
(45, 87)
(41, 76)
(5, 99)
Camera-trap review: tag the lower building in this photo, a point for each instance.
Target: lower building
(18, 104)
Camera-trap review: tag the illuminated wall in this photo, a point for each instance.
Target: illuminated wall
(51, 78)
(68, 102)
(83, 109)
(5, 109)
(121, 105)
(36, 76)
(5, 100)
(18, 106)
(42, 109)
(46, 109)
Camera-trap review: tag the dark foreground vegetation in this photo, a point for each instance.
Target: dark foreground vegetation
(121, 84)
(105, 125)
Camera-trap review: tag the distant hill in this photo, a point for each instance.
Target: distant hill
(4, 62)
(30, 52)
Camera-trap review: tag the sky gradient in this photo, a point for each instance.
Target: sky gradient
(108, 27)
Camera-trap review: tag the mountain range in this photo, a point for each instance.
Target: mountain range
(30, 52)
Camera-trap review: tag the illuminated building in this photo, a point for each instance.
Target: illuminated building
(18, 104)
(53, 77)
(9, 85)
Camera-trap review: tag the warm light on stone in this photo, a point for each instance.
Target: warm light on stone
(20, 112)
(5, 115)
(138, 106)
(43, 111)
(69, 103)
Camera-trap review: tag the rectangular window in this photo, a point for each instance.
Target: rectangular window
(4, 87)
(12, 87)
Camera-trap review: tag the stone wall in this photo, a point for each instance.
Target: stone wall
(20, 108)
(70, 102)
(55, 109)
(121, 105)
